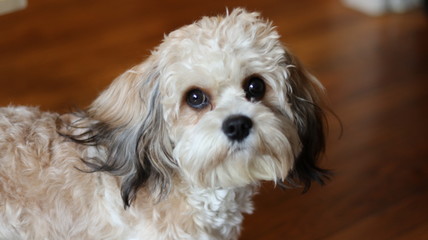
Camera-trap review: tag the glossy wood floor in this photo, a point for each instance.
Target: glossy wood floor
(61, 54)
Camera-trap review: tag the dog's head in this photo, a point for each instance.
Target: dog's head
(220, 103)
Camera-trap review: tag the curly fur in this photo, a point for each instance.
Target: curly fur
(140, 163)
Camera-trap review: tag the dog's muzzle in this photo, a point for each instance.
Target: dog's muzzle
(237, 127)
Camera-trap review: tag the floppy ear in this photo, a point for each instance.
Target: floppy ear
(126, 121)
(305, 96)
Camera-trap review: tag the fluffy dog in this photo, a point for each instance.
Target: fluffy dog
(175, 148)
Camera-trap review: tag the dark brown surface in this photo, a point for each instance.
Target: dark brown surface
(61, 54)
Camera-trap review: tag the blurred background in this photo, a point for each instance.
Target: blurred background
(60, 54)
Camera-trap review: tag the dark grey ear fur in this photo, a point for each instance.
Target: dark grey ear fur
(306, 103)
(141, 155)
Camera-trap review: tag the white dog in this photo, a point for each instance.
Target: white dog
(175, 148)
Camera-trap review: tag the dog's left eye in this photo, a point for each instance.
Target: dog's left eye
(196, 98)
(254, 88)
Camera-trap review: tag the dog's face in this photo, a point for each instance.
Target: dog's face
(224, 96)
(220, 102)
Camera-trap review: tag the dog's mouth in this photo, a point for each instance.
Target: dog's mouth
(238, 147)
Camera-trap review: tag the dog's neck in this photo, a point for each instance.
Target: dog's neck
(220, 207)
(219, 210)
(201, 213)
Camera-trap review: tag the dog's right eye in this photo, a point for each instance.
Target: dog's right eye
(197, 99)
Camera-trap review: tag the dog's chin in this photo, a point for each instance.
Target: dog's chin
(233, 167)
(208, 159)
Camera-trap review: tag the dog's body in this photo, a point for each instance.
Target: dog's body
(44, 196)
(182, 140)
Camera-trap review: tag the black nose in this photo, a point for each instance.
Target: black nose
(237, 127)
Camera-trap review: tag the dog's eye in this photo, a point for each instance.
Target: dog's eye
(254, 88)
(196, 98)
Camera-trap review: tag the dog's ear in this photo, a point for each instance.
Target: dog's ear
(305, 95)
(126, 121)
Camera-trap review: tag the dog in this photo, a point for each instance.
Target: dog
(174, 148)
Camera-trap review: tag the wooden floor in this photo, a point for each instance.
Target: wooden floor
(61, 54)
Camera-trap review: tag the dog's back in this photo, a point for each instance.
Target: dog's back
(40, 187)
